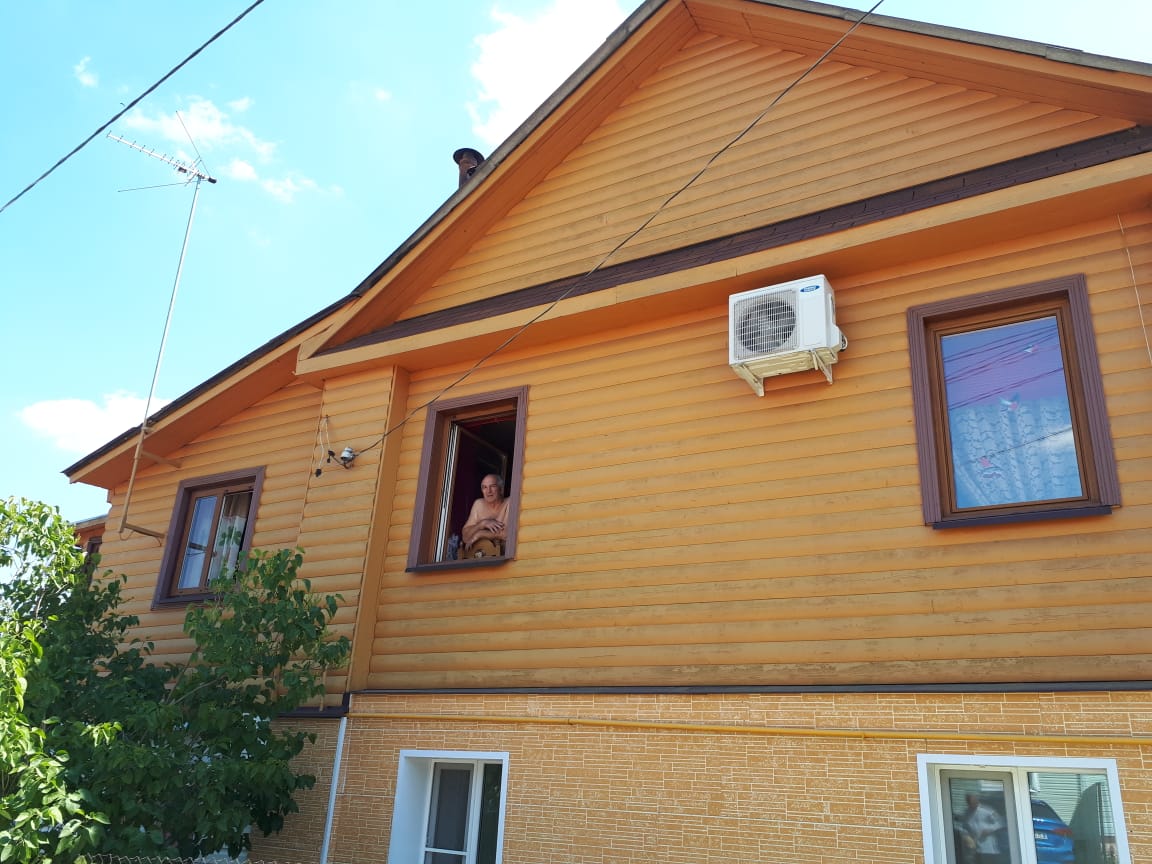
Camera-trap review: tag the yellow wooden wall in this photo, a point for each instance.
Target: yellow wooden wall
(328, 516)
(275, 433)
(675, 529)
(846, 133)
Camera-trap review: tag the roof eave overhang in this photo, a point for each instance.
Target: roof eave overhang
(1073, 79)
(1001, 216)
(249, 379)
(512, 169)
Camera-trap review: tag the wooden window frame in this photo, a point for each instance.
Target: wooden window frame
(1067, 299)
(433, 467)
(187, 492)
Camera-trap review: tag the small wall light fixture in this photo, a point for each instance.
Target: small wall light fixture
(346, 458)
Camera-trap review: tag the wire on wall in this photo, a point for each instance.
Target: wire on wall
(632, 235)
(1135, 288)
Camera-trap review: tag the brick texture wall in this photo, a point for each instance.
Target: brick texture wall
(303, 833)
(608, 794)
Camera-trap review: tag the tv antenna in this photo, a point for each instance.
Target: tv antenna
(193, 175)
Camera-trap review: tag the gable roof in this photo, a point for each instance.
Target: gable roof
(371, 313)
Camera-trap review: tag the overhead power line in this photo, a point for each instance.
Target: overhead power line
(130, 105)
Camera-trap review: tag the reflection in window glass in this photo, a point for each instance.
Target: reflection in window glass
(981, 819)
(1072, 818)
(1013, 815)
(448, 813)
(192, 566)
(1009, 419)
(488, 836)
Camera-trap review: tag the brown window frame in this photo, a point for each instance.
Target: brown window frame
(187, 493)
(434, 468)
(1067, 299)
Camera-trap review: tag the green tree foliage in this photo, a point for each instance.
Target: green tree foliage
(104, 750)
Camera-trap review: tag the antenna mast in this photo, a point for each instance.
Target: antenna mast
(182, 167)
(194, 175)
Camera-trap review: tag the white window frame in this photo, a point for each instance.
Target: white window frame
(413, 797)
(930, 765)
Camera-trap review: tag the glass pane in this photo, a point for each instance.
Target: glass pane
(1071, 818)
(445, 547)
(1009, 418)
(229, 532)
(980, 818)
(489, 815)
(192, 567)
(448, 813)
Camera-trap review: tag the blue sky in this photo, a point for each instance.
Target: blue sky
(330, 127)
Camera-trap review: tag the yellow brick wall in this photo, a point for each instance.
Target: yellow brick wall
(606, 794)
(303, 833)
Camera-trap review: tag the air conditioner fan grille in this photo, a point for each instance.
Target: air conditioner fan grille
(766, 325)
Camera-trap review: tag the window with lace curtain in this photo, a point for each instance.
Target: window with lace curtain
(1010, 415)
(211, 528)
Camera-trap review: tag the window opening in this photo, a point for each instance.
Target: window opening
(211, 528)
(1022, 810)
(1009, 405)
(465, 440)
(214, 537)
(449, 808)
(476, 448)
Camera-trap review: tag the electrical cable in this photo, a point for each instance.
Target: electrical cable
(130, 106)
(627, 239)
(1135, 287)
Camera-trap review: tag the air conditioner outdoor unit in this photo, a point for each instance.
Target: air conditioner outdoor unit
(783, 328)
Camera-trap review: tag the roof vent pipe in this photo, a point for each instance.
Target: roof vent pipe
(468, 160)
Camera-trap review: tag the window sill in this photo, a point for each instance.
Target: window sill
(180, 600)
(1031, 516)
(458, 565)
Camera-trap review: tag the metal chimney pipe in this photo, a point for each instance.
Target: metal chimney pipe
(468, 160)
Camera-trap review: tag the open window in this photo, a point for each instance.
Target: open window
(1010, 416)
(211, 528)
(465, 440)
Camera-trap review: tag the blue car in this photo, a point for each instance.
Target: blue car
(1052, 835)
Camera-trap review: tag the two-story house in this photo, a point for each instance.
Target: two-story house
(812, 355)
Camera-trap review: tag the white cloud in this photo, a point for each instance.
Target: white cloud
(382, 95)
(286, 188)
(208, 126)
(83, 75)
(81, 425)
(524, 60)
(238, 169)
(212, 129)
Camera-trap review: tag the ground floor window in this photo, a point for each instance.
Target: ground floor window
(1008, 810)
(449, 808)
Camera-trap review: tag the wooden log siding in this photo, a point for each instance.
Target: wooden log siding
(1097, 151)
(278, 432)
(676, 530)
(846, 134)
